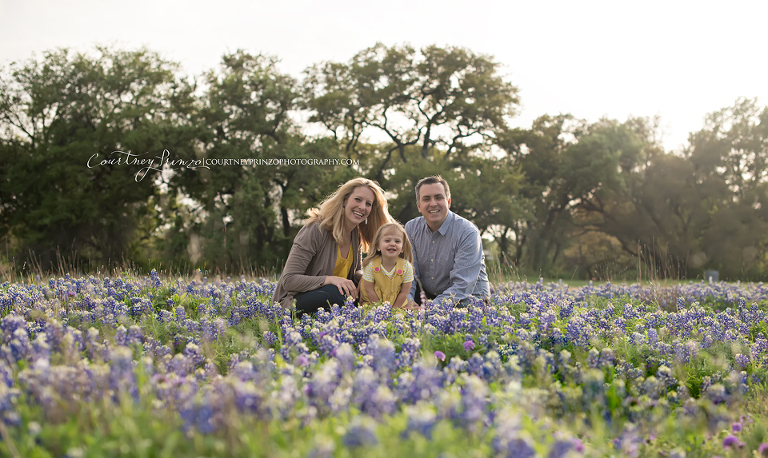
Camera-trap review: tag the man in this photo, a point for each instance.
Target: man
(447, 251)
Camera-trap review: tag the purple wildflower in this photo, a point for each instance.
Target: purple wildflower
(763, 449)
(269, 338)
(560, 449)
(440, 355)
(362, 432)
(469, 345)
(421, 420)
(732, 441)
(737, 427)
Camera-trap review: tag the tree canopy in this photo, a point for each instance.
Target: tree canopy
(111, 156)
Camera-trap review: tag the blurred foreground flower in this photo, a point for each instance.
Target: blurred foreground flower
(362, 432)
(440, 355)
(732, 441)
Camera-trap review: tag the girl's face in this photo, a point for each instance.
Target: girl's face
(391, 243)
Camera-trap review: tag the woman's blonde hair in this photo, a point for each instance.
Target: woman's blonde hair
(374, 252)
(330, 214)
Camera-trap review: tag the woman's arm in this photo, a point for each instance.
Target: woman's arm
(306, 246)
(346, 286)
(402, 297)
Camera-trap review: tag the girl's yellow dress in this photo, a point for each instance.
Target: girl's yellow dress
(385, 287)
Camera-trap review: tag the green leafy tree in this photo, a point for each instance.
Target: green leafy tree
(60, 117)
(445, 98)
(704, 209)
(247, 215)
(729, 157)
(539, 153)
(408, 114)
(567, 165)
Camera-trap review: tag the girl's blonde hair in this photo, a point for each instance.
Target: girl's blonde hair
(374, 252)
(330, 214)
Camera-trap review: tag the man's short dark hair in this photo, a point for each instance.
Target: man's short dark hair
(433, 180)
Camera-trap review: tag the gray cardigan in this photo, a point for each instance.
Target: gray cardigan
(312, 258)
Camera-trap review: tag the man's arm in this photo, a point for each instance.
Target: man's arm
(466, 267)
(409, 231)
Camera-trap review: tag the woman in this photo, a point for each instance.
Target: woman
(325, 262)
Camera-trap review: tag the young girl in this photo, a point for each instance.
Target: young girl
(388, 272)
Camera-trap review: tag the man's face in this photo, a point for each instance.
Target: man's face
(433, 204)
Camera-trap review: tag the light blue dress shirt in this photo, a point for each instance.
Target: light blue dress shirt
(450, 261)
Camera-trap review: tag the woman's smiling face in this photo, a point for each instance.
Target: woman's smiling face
(358, 205)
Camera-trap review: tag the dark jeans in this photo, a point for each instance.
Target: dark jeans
(417, 294)
(321, 298)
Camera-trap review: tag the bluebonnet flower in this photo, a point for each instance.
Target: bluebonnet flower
(620, 324)
(361, 432)
(457, 364)
(562, 448)
(665, 376)
(578, 331)
(653, 337)
(121, 335)
(155, 279)
(557, 336)
(165, 316)
(181, 315)
(606, 357)
(474, 397)
(424, 382)
(593, 358)
(198, 414)
(492, 367)
(421, 420)
(40, 348)
(383, 353)
(193, 353)
(323, 384)
(510, 441)
(475, 364)
(10, 324)
(742, 360)
(566, 309)
(269, 338)
(208, 330)
(19, 345)
(323, 446)
(345, 354)
(637, 339)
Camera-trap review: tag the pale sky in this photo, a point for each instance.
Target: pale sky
(675, 59)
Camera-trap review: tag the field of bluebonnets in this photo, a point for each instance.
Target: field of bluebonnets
(151, 366)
